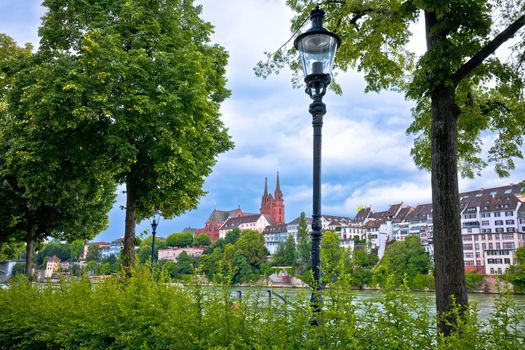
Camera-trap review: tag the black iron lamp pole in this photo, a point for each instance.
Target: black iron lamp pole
(154, 224)
(317, 47)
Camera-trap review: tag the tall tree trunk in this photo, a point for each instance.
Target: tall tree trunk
(30, 249)
(448, 245)
(129, 232)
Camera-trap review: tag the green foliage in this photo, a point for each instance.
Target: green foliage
(286, 253)
(403, 260)
(179, 239)
(144, 251)
(375, 36)
(60, 250)
(141, 313)
(475, 281)
(232, 236)
(19, 268)
(251, 244)
(362, 268)
(335, 259)
(93, 253)
(238, 262)
(304, 246)
(202, 240)
(12, 249)
(516, 273)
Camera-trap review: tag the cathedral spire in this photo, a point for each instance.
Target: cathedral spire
(278, 193)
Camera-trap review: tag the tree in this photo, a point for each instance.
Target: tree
(150, 71)
(60, 250)
(362, 268)
(460, 87)
(93, 253)
(404, 260)
(180, 239)
(286, 253)
(251, 244)
(516, 273)
(144, 251)
(232, 236)
(304, 246)
(202, 240)
(76, 248)
(334, 257)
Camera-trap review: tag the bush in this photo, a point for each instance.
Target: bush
(474, 281)
(141, 313)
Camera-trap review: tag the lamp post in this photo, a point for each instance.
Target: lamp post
(154, 224)
(317, 47)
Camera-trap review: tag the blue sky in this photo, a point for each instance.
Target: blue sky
(366, 153)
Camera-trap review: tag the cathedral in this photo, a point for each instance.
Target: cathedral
(273, 206)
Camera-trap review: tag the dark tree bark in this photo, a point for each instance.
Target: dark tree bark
(448, 243)
(30, 249)
(131, 215)
(448, 247)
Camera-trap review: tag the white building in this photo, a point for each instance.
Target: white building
(173, 253)
(492, 222)
(257, 222)
(274, 235)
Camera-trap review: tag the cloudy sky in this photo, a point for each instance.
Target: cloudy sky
(366, 153)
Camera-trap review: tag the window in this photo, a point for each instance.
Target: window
(483, 230)
(498, 246)
(477, 246)
(483, 246)
(508, 245)
(497, 214)
(507, 236)
(498, 222)
(509, 222)
(507, 261)
(499, 270)
(467, 246)
(471, 209)
(497, 206)
(491, 270)
(476, 237)
(467, 237)
(470, 216)
(485, 215)
(509, 213)
(468, 255)
(469, 230)
(469, 263)
(496, 236)
(499, 229)
(491, 246)
(510, 229)
(485, 223)
(489, 230)
(508, 190)
(506, 206)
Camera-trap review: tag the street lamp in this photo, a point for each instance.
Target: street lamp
(154, 224)
(317, 47)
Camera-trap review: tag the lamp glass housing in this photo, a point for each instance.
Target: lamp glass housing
(317, 52)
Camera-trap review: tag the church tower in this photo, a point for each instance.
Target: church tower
(278, 204)
(266, 200)
(273, 206)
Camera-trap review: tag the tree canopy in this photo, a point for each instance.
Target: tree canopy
(461, 89)
(149, 80)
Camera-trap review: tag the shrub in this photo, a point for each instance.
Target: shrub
(142, 313)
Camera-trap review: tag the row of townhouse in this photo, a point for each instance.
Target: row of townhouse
(492, 221)
(493, 227)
